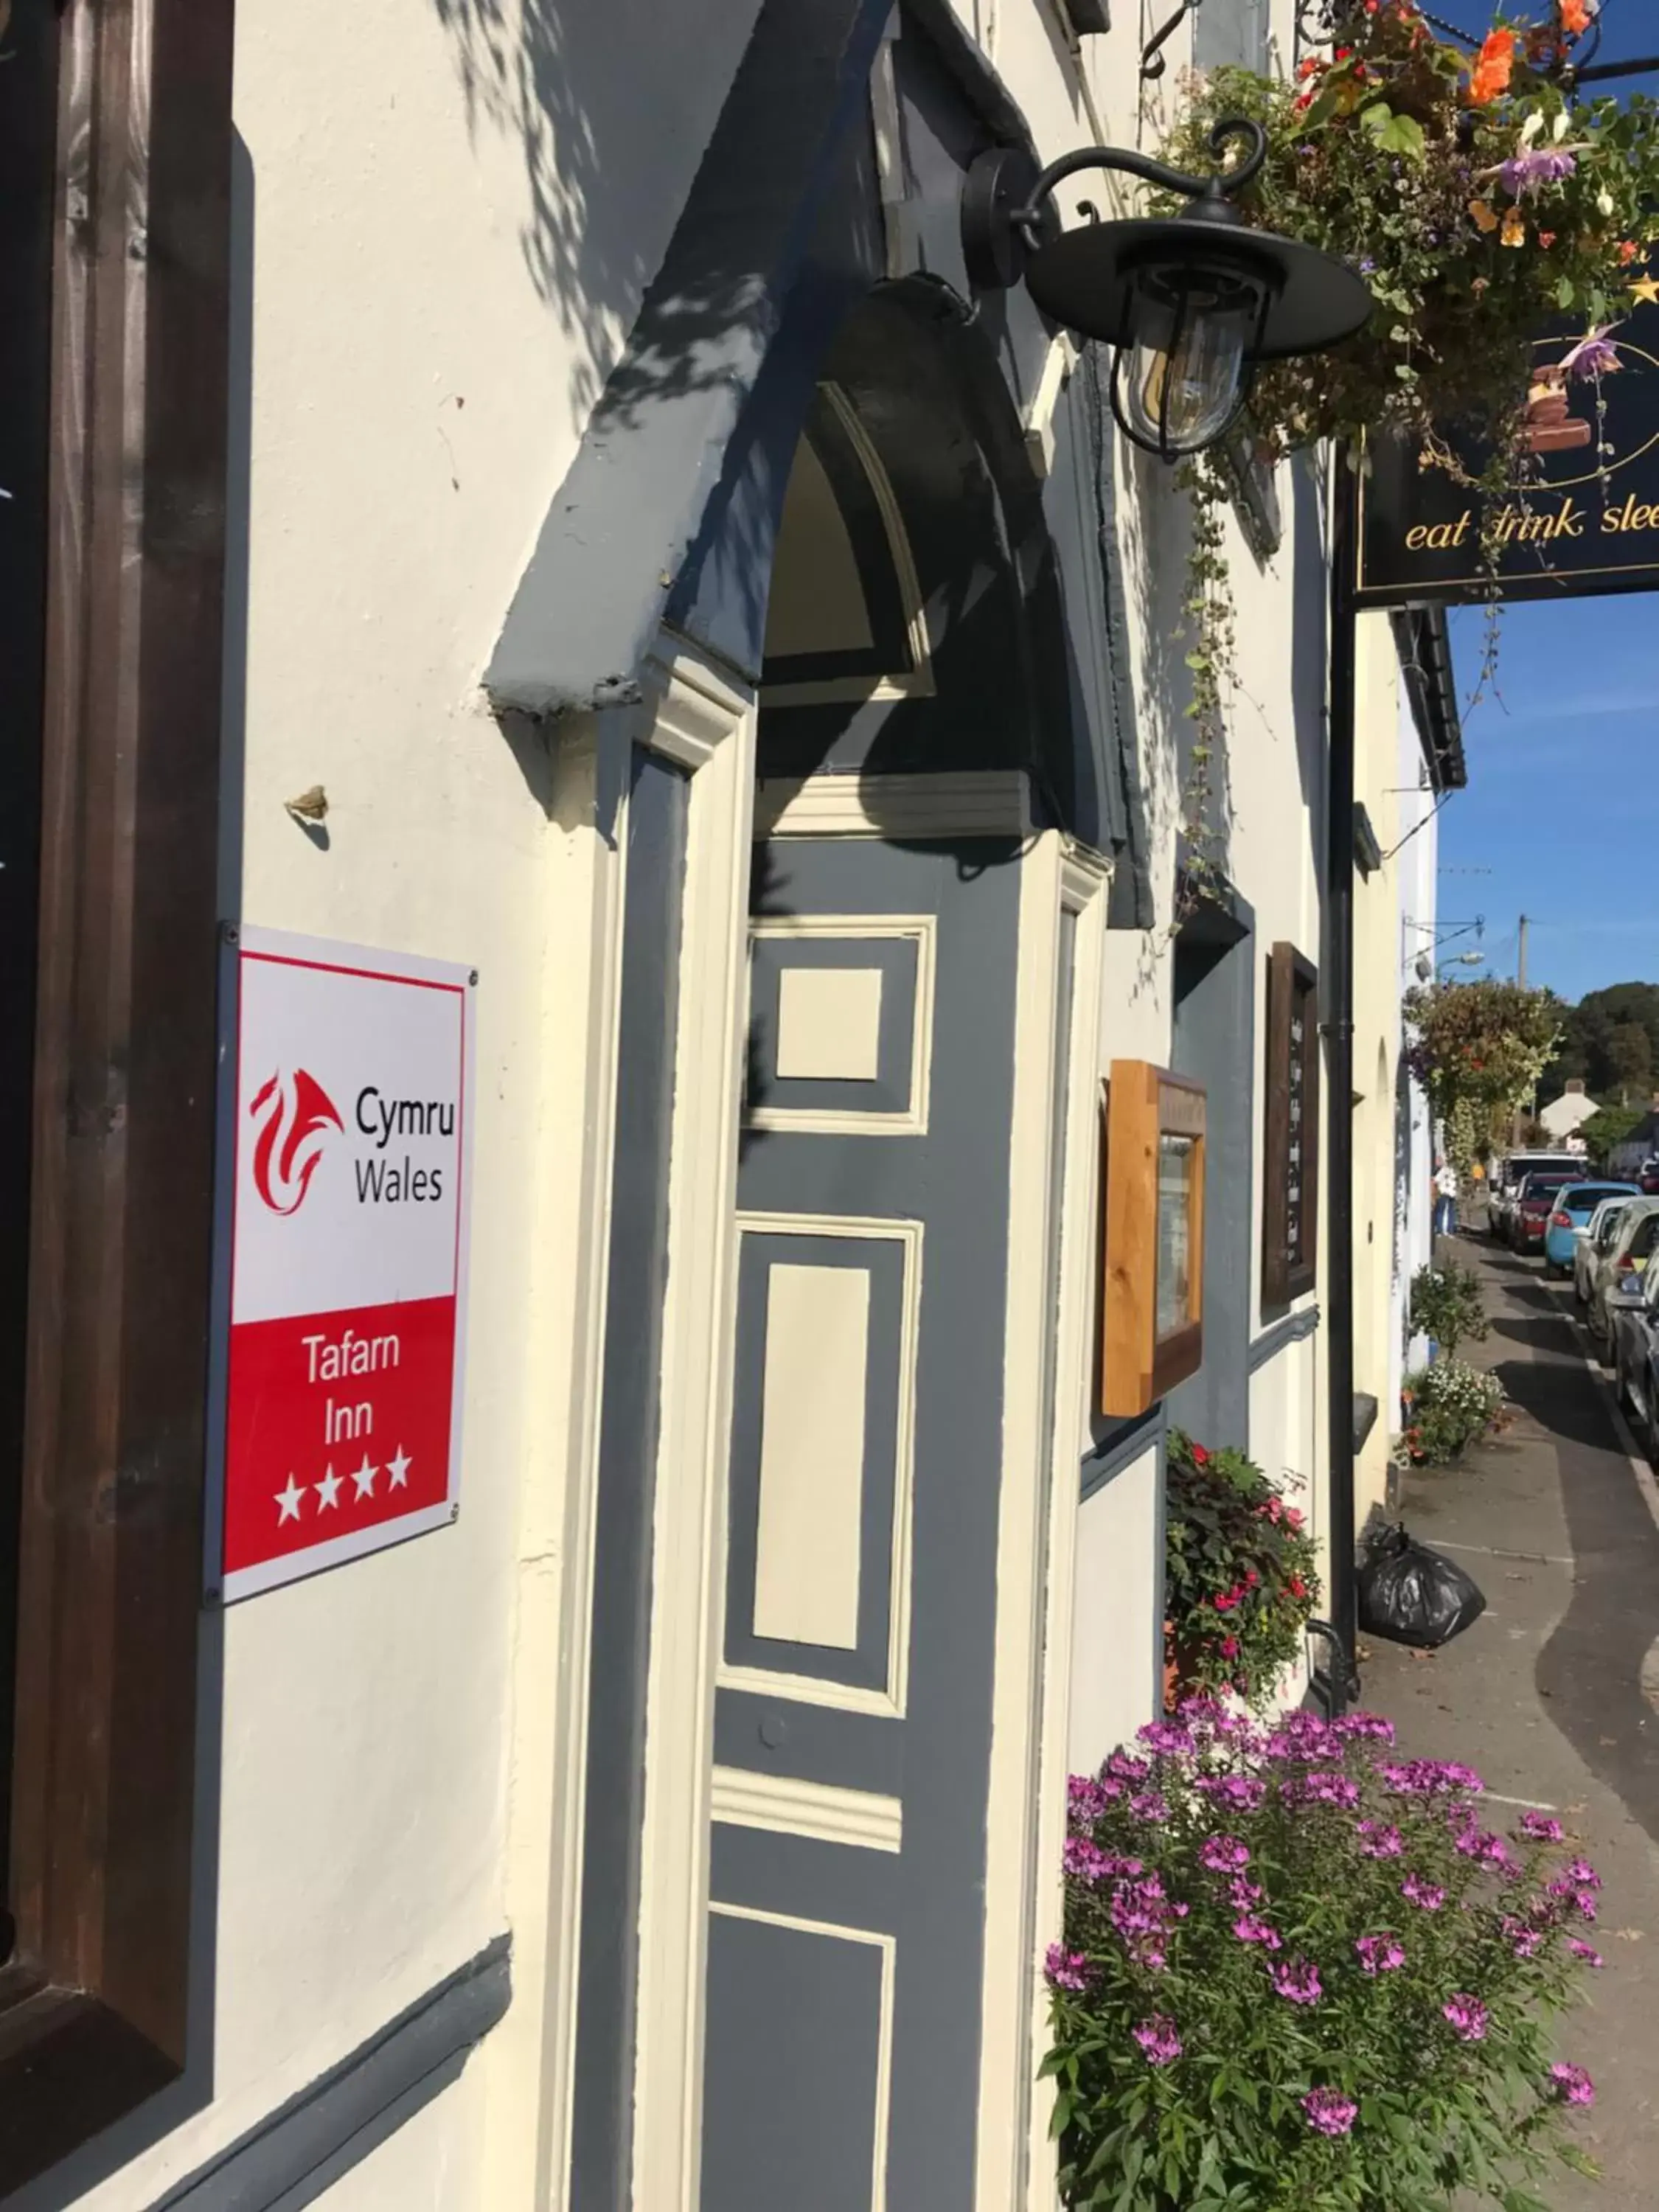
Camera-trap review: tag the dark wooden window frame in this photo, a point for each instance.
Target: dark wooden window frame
(1291, 981)
(93, 2004)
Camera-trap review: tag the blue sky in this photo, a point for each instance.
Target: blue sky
(1560, 820)
(1561, 817)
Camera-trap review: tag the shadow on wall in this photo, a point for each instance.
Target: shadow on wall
(609, 150)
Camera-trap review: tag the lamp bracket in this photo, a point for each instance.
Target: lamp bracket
(1008, 211)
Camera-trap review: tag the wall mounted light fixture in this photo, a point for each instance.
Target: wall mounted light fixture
(1189, 302)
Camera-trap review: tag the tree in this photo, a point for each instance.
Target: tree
(1630, 1060)
(1608, 1128)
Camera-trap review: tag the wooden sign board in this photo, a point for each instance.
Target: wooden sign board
(1152, 1306)
(1582, 518)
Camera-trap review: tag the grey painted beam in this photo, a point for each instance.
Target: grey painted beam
(593, 597)
(304, 2147)
(1272, 1341)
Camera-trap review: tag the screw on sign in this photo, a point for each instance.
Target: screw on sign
(352, 1115)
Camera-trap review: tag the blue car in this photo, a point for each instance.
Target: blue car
(1575, 1202)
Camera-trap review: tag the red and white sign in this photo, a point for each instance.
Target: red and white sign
(353, 1105)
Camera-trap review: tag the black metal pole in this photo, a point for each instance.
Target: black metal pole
(1338, 1063)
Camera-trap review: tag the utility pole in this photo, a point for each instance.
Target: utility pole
(1521, 956)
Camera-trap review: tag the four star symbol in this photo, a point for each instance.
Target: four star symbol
(289, 1499)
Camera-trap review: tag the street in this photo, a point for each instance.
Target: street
(1553, 1694)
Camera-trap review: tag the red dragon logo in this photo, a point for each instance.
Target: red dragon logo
(298, 1115)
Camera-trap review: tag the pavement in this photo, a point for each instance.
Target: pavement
(1557, 1520)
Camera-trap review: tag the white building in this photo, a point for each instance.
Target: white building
(534, 488)
(1565, 1116)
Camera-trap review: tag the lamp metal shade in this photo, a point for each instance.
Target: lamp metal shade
(1087, 280)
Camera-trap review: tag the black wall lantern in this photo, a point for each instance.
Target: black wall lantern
(1189, 302)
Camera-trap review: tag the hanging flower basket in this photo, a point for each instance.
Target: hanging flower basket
(1479, 205)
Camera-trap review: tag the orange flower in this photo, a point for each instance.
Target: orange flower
(1483, 218)
(1546, 239)
(1492, 66)
(1575, 17)
(1628, 251)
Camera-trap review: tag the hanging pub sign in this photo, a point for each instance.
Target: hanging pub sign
(347, 1111)
(1583, 515)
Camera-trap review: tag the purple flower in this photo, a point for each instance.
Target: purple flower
(1067, 1970)
(1249, 1929)
(1528, 1943)
(1534, 168)
(1593, 355)
(1084, 1859)
(1297, 1982)
(1467, 2016)
(1150, 1805)
(1585, 1901)
(1539, 1828)
(1365, 1724)
(1571, 2084)
(1085, 1801)
(1366, 264)
(1222, 1854)
(1477, 1843)
(1429, 1778)
(1422, 1893)
(1586, 1952)
(1124, 1766)
(1581, 1871)
(1329, 2113)
(1382, 1842)
(1157, 2038)
(1244, 1793)
(1166, 1737)
(1379, 1954)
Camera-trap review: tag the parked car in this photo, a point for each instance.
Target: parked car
(1616, 1284)
(1592, 1241)
(1534, 1203)
(1569, 1219)
(1648, 1176)
(1507, 1171)
(1636, 1360)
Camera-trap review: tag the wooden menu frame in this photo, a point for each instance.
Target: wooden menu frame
(1290, 1198)
(1139, 1365)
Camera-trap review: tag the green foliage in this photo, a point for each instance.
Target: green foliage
(1298, 1976)
(1609, 1126)
(1446, 1304)
(1393, 156)
(1449, 1406)
(1478, 1049)
(1207, 625)
(1240, 1578)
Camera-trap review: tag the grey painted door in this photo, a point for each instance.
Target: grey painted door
(852, 1714)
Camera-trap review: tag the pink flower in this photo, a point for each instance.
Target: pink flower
(1421, 1892)
(1573, 2085)
(1222, 1854)
(1249, 1929)
(1297, 1982)
(1584, 1951)
(1467, 2016)
(1379, 1954)
(1230, 1647)
(1157, 2038)
(1329, 2113)
(1381, 1842)
(1539, 1828)
(1067, 1970)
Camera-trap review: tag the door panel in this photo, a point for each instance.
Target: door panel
(854, 1711)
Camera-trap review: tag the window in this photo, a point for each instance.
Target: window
(1231, 31)
(1152, 1308)
(1289, 1213)
(112, 343)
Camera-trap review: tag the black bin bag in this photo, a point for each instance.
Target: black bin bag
(1414, 1595)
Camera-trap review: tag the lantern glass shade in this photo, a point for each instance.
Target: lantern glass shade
(1184, 374)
